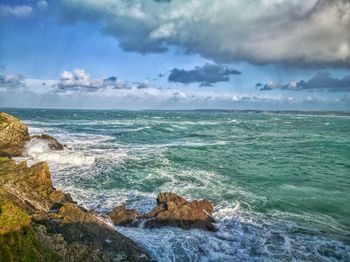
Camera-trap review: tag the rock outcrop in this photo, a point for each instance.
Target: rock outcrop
(53, 227)
(40, 223)
(13, 135)
(171, 210)
(124, 217)
(52, 142)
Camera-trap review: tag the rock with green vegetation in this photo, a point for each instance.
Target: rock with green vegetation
(40, 223)
(17, 237)
(13, 135)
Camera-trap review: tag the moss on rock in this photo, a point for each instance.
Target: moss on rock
(12, 218)
(17, 239)
(13, 135)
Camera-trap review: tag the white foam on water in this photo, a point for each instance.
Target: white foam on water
(233, 121)
(243, 235)
(39, 150)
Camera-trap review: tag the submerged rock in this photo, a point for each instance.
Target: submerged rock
(52, 142)
(171, 210)
(13, 135)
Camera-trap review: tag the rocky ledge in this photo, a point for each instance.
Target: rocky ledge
(40, 223)
(171, 210)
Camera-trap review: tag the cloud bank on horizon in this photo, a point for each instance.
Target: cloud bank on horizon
(77, 89)
(298, 33)
(321, 81)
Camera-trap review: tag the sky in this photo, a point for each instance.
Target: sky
(175, 54)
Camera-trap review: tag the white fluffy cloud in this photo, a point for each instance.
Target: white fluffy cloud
(292, 32)
(17, 10)
(79, 80)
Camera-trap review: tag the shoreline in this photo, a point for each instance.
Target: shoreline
(40, 223)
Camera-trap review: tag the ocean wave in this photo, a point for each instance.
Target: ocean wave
(38, 150)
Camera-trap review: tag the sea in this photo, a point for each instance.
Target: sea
(280, 181)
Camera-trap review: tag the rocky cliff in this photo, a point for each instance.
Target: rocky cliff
(13, 135)
(40, 223)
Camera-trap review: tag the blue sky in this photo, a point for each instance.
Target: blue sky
(135, 54)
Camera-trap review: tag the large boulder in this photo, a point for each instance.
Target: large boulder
(52, 142)
(13, 135)
(171, 210)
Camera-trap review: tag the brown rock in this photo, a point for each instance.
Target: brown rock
(170, 197)
(71, 234)
(172, 210)
(60, 197)
(53, 143)
(13, 135)
(124, 217)
(40, 223)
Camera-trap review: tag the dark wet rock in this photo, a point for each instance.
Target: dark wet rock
(13, 135)
(124, 217)
(52, 142)
(171, 210)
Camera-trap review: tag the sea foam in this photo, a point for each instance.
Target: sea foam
(39, 150)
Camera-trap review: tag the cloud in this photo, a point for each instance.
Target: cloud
(153, 98)
(76, 80)
(206, 75)
(42, 4)
(77, 89)
(79, 80)
(321, 81)
(10, 82)
(299, 33)
(20, 11)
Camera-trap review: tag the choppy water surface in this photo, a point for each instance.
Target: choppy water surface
(280, 182)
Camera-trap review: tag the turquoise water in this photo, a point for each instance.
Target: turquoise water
(280, 182)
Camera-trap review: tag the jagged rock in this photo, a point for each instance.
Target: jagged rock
(124, 217)
(171, 210)
(29, 229)
(52, 142)
(13, 135)
(60, 197)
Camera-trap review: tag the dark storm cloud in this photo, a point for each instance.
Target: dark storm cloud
(206, 75)
(320, 81)
(300, 33)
